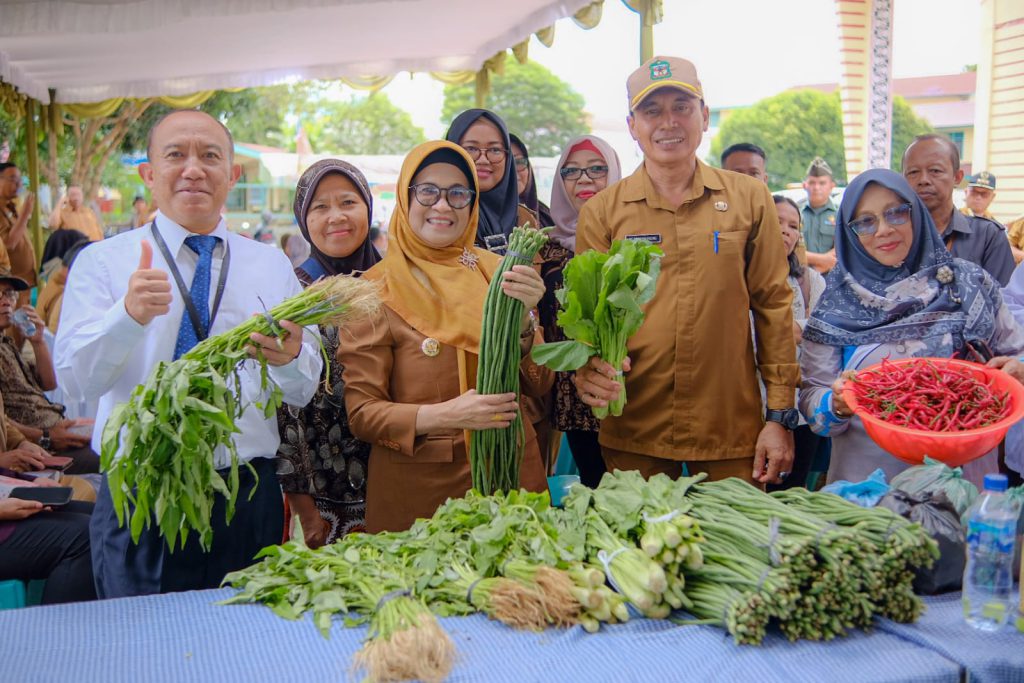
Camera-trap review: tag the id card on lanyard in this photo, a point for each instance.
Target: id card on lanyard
(186, 296)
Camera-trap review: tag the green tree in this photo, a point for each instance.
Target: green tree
(796, 126)
(362, 125)
(536, 105)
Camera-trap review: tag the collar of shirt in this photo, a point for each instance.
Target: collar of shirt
(827, 206)
(639, 187)
(960, 223)
(175, 235)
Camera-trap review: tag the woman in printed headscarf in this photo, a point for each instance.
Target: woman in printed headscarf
(410, 372)
(894, 293)
(587, 165)
(527, 182)
(322, 467)
(485, 138)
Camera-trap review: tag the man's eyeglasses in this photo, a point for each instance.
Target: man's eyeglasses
(457, 196)
(593, 172)
(494, 154)
(868, 225)
(11, 295)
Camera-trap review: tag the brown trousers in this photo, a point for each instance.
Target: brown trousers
(648, 466)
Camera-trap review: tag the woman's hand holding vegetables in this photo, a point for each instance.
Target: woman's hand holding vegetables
(278, 350)
(469, 411)
(597, 383)
(525, 284)
(1011, 366)
(149, 290)
(840, 408)
(315, 529)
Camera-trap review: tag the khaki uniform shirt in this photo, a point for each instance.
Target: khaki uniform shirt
(389, 373)
(966, 210)
(1015, 232)
(22, 259)
(83, 220)
(819, 227)
(693, 392)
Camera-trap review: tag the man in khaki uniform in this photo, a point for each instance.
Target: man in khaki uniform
(981, 190)
(691, 383)
(17, 254)
(72, 213)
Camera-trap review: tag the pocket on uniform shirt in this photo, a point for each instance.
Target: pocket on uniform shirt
(432, 449)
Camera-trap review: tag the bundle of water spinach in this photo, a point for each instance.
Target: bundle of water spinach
(158, 447)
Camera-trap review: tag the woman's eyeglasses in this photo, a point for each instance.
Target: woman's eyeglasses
(593, 172)
(521, 162)
(868, 225)
(457, 196)
(494, 154)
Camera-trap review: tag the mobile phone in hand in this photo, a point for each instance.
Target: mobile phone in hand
(51, 496)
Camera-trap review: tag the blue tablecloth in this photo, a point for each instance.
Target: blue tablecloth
(987, 657)
(186, 637)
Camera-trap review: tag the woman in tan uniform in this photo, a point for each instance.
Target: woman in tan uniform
(409, 373)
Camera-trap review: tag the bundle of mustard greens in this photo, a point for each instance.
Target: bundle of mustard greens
(601, 310)
(158, 448)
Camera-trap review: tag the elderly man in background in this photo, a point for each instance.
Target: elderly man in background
(73, 213)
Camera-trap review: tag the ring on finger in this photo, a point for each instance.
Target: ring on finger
(496, 417)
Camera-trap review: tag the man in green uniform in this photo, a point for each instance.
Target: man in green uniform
(819, 216)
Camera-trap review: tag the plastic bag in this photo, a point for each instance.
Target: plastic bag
(935, 476)
(865, 493)
(937, 514)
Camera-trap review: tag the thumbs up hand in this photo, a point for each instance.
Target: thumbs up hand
(149, 290)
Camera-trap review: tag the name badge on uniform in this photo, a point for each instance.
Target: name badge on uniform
(653, 238)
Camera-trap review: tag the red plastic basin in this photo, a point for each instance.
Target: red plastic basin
(952, 448)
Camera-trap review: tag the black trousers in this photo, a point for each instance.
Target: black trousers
(53, 546)
(124, 568)
(586, 452)
(86, 461)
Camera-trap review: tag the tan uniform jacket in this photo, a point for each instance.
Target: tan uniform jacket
(693, 393)
(388, 376)
(48, 305)
(84, 220)
(22, 259)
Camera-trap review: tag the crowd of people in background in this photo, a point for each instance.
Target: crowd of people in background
(762, 308)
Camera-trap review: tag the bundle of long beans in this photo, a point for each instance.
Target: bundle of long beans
(158, 447)
(495, 454)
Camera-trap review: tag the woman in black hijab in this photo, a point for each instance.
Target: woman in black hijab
(528, 182)
(485, 137)
(322, 466)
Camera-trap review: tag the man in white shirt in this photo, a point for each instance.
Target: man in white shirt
(123, 313)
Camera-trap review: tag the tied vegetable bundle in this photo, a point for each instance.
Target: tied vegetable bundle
(726, 553)
(921, 395)
(496, 454)
(168, 431)
(601, 303)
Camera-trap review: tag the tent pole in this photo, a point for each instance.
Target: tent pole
(646, 30)
(32, 157)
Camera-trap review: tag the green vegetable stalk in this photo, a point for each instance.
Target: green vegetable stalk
(158, 448)
(601, 310)
(496, 454)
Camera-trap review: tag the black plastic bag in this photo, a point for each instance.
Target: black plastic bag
(938, 516)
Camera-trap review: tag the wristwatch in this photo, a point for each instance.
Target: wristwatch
(44, 440)
(533, 326)
(790, 419)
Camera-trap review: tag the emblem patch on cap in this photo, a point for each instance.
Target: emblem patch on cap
(660, 70)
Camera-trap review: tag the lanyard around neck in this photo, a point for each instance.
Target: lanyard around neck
(190, 306)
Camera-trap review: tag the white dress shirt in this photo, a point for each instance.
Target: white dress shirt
(102, 352)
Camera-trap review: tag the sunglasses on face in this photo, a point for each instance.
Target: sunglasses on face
(457, 196)
(593, 172)
(868, 225)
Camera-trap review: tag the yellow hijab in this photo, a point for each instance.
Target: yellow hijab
(433, 289)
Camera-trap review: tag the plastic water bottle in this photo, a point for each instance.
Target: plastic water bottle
(21, 319)
(988, 578)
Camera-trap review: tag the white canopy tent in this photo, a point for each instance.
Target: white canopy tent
(95, 50)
